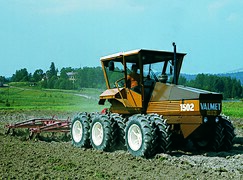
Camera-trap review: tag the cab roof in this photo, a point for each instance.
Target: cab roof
(147, 56)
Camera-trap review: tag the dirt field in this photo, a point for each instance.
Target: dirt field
(48, 158)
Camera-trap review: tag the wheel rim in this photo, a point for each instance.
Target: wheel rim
(97, 133)
(134, 137)
(77, 131)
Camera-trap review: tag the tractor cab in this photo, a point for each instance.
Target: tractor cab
(152, 66)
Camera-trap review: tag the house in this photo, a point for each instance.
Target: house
(71, 76)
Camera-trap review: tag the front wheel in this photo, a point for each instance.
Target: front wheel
(139, 136)
(163, 130)
(102, 135)
(120, 124)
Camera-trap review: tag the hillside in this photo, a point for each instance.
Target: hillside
(237, 75)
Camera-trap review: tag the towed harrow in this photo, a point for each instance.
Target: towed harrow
(38, 125)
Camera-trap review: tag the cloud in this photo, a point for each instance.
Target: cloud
(226, 10)
(217, 5)
(233, 17)
(59, 6)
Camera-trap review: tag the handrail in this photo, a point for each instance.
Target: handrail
(116, 83)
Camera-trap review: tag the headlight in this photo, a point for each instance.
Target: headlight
(205, 119)
(217, 119)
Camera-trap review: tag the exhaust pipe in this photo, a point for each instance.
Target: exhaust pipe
(175, 80)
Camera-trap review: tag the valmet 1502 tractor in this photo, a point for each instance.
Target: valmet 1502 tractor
(148, 118)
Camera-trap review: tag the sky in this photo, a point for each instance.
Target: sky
(76, 33)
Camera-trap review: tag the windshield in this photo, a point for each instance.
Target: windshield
(115, 75)
(160, 71)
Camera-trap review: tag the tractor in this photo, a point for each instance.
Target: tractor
(148, 119)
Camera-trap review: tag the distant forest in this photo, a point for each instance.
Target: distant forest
(92, 77)
(228, 86)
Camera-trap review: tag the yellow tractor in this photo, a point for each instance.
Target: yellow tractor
(145, 118)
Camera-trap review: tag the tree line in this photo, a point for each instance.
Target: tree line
(229, 87)
(92, 77)
(87, 77)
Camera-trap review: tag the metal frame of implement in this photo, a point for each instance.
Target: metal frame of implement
(38, 125)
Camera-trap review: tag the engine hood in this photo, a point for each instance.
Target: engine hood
(177, 92)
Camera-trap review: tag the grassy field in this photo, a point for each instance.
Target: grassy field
(23, 97)
(233, 109)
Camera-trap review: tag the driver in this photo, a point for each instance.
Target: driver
(133, 78)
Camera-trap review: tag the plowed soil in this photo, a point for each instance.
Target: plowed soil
(53, 157)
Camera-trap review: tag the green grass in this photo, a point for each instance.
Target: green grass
(233, 109)
(28, 98)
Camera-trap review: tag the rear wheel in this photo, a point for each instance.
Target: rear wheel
(139, 136)
(80, 131)
(229, 134)
(103, 132)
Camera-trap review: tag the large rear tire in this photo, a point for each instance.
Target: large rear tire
(103, 132)
(80, 130)
(140, 136)
(229, 134)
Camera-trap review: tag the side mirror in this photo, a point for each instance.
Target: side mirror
(111, 66)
